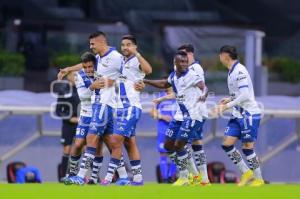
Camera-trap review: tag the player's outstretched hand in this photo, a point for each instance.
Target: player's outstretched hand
(217, 110)
(166, 118)
(96, 85)
(62, 73)
(224, 100)
(102, 83)
(139, 86)
(133, 49)
(74, 120)
(156, 101)
(202, 98)
(213, 113)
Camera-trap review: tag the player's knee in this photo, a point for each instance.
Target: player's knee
(248, 145)
(115, 145)
(178, 147)
(78, 145)
(127, 144)
(92, 140)
(197, 142)
(67, 149)
(169, 147)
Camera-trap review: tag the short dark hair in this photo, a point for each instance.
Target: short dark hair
(87, 57)
(131, 38)
(181, 53)
(97, 34)
(187, 47)
(231, 50)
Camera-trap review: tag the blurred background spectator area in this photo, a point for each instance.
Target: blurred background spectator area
(33, 45)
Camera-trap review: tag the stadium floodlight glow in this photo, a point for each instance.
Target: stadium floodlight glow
(17, 22)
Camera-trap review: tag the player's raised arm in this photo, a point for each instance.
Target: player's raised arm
(63, 72)
(145, 66)
(155, 114)
(163, 83)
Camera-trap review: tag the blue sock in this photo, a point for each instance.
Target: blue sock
(163, 165)
(172, 169)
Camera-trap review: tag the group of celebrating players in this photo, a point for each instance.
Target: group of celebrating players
(109, 85)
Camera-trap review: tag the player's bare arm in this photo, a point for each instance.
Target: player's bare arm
(139, 86)
(156, 115)
(63, 72)
(102, 83)
(164, 98)
(163, 83)
(201, 85)
(145, 66)
(225, 100)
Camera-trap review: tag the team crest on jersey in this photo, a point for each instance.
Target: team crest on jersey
(106, 62)
(127, 66)
(122, 77)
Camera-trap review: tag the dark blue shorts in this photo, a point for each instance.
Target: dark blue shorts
(245, 128)
(126, 120)
(83, 127)
(183, 130)
(102, 119)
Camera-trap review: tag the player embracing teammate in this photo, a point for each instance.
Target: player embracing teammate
(126, 73)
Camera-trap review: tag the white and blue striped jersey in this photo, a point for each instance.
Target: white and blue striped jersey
(197, 68)
(83, 82)
(108, 66)
(187, 96)
(131, 73)
(238, 79)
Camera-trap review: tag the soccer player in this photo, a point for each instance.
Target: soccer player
(83, 80)
(196, 141)
(245, 118)
(109, 62)
(129, 110)
(164, 112)
(190, 94)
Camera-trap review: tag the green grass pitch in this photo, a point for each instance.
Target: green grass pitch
(151, 191)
